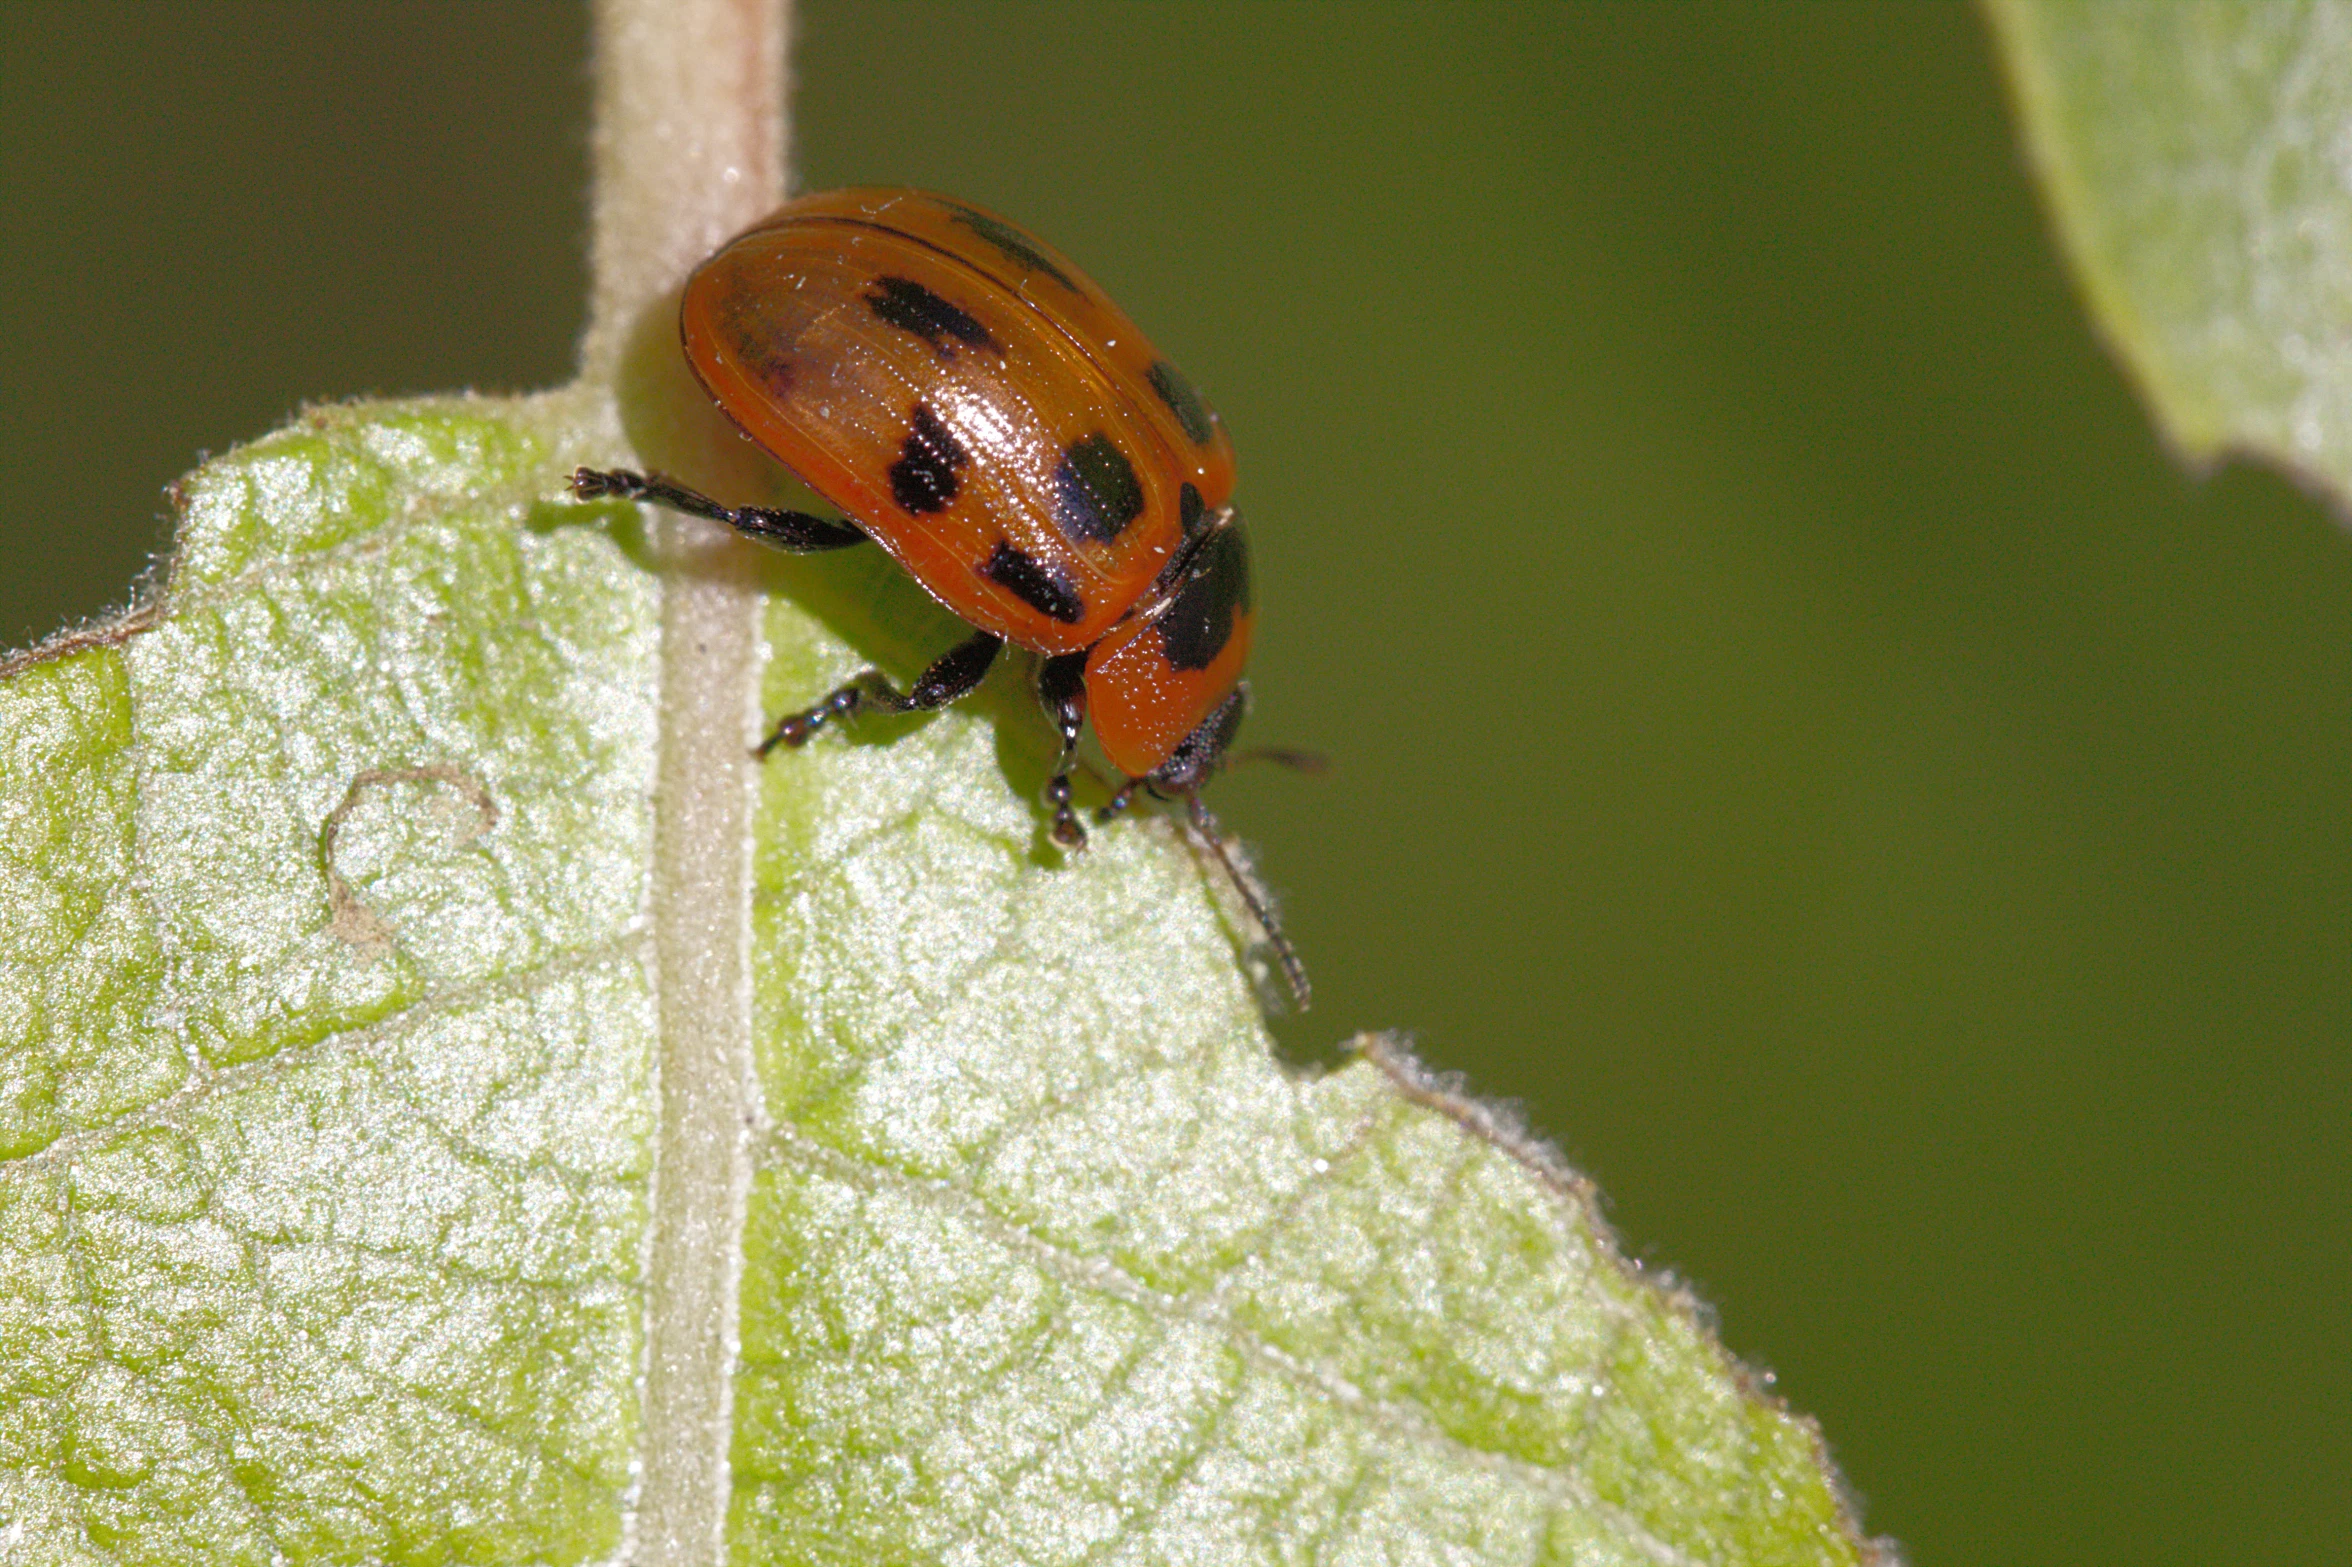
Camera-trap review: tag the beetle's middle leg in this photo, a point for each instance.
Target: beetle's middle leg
(957, 673)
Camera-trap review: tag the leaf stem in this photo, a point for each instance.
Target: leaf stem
(688, 148)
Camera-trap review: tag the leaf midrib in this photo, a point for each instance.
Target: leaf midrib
(706, 1106)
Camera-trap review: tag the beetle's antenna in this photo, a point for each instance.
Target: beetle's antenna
(1245, 882)
(1313, 763)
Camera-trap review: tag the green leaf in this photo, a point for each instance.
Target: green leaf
(319, 1229)
(332, 1097)
(2195, 159)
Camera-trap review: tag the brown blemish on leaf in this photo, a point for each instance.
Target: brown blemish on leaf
(349, 919)
(103, 633)
(1491, 1123)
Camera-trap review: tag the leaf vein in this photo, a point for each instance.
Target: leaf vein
(1409, 1424)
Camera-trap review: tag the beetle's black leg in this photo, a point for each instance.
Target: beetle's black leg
(957, 673)
(1061, 686)
(797, 531)
(1122, 798)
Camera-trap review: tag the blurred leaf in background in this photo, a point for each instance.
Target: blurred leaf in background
(1795, 728)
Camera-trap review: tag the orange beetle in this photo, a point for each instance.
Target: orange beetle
(977, 407)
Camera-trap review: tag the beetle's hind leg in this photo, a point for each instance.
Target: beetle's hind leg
(955, 674)
(801, 532)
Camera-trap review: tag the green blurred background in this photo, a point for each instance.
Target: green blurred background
(1796, 731)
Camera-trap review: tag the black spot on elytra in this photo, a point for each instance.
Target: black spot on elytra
(740, 322)
(1191, 515)
(775, 373)
(909, 306)
(923, 480)
(1036, 584)
(1193, 519)
(1196, 627)
(1013, 243)
(1185, 403)
(1096, 493)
